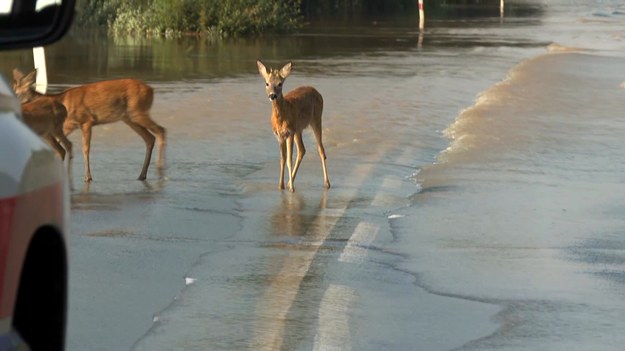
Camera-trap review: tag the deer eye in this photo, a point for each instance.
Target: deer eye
(266, 84)
(280, 85)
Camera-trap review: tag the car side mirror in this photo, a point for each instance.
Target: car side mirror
(30, 23)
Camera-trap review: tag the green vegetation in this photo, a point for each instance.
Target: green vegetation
(217, 17)
(253, 17)
(347, 9)
(223, 17)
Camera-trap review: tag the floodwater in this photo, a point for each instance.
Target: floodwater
(476, 201)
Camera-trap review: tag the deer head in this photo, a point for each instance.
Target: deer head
(274, 79)
(24, 85)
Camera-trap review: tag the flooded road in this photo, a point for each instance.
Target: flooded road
(440, 231)
(213, 255)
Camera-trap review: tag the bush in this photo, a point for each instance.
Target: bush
(226, 17)
(245, 17)
(96, 12)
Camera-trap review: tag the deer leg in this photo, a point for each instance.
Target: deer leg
(65, 130)
(316, 127)
(289, 160)
(148, 138)
(86, 145)
(66, 144)
(55, 145)
(158, 131)
(301, 151)
(68, 147)
(68, 127)
(282, 144)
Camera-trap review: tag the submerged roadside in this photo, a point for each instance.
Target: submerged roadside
(522, 209)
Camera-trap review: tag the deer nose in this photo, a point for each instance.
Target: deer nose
(273, 96)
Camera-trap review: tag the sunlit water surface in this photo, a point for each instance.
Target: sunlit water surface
(487, 152)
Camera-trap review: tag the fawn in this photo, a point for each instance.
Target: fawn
(45, 116)
(127, 100)
(290, 115)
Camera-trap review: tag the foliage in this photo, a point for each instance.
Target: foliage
(355, 8)
(223, 17)
(247, 17)
(96, 12)
(250, 17)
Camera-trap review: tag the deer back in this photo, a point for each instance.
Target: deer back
(43, 115)
(297, 109)
(107, 101)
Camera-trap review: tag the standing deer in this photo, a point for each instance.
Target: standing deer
(45, 116)
(290, 115)
(127, 100)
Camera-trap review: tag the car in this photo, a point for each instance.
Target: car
(34, 198)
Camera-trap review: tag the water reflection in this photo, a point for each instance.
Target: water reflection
(95, 55)
(287, 218)
(292, 260)
(293, 218)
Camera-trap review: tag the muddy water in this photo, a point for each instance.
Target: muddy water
(213, 256)
(387, 97)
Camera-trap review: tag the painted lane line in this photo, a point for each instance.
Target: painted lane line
(383, 198)
(356, 248)
(333, 331)
(333, 325)
(279, 295)
(406, 158)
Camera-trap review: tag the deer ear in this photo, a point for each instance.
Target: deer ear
(286, 70)
(262, 69)
(30, 78)
(17, 74)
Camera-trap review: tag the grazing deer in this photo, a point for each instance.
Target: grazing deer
(45, 116)
(290, 115)
(127, 100)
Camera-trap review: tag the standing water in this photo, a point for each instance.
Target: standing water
(476, 172)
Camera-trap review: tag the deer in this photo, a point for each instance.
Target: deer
(290, 115)
(45, 116)
(127, 100)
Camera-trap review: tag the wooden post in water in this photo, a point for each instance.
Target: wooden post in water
(39, 56)
(422, 16)
(501, 8)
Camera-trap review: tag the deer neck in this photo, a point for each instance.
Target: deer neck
(281, 118)
(279, 109)
(57, 96)
(31, 95)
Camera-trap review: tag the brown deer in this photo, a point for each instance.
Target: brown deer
(45, 116)
(290, 115)
(127, 100)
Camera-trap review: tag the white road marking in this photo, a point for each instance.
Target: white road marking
(333, 330)
(278, 297)
(383, 198)
(406, 158)
(356, 248)
(333, 324)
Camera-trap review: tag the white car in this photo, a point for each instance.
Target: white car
(34, 198)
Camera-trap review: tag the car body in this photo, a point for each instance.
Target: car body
(34, 201)
(34, 208)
